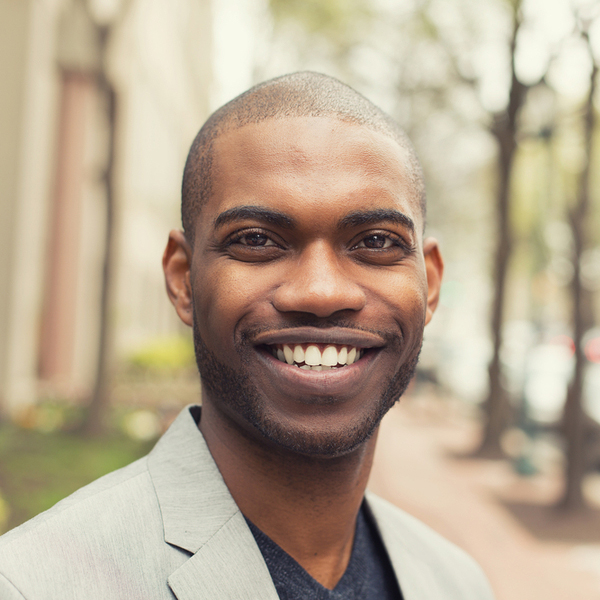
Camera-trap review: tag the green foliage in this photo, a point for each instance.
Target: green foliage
(424, 25)
(39, 469)
(164, 355)
(337, 20)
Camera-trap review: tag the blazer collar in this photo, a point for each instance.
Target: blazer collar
(194, 500)
(416, 565)
(200, 516)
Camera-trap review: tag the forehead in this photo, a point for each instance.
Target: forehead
(313, 160)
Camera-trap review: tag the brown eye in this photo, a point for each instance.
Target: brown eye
(255, 239)
(253, 245)
(376, 241)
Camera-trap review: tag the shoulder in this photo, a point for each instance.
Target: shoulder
(423, 559)
(124, 535)
(115, 490)
(97, 534)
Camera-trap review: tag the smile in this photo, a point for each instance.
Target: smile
(316, 357)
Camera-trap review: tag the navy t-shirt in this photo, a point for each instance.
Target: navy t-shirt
(369, 575)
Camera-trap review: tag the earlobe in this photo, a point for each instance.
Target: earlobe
(434, 266)
(177, 260)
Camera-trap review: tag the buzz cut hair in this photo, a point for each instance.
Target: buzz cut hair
(302, 94)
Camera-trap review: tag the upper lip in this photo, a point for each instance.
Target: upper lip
(341, 336)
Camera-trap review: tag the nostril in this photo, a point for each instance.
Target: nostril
(319, 300)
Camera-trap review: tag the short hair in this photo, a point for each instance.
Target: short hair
(303, 94)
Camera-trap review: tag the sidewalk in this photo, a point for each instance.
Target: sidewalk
(484, 507)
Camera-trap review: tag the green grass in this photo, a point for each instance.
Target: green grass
(39, 469)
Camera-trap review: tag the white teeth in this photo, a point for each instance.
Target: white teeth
(351, 356)
(313, 359)
(312, 356)
(330, 357)
(289, 354)
(298, 354)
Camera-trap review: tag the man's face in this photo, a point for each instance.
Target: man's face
(309, 252)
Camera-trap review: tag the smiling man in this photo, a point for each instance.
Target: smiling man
(304, 273)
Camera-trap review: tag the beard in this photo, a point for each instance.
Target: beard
(233, 391)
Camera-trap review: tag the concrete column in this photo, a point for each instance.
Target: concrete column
(60, 292)
(26, 132)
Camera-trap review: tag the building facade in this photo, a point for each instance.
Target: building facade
(55, 153)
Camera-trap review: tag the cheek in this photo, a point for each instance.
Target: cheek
(224, 294)
(404, 298)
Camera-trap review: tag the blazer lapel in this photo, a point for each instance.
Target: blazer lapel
(200, 516)
(228, 566)
(414, 575)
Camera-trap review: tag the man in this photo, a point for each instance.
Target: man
(304, 274)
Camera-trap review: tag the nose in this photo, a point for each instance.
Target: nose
(319, 284)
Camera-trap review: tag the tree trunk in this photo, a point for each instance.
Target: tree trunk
(95, 421)
(574, 422)
(504, 129)
(497, 405)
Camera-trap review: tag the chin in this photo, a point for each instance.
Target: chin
(234, 394)
(315, 441)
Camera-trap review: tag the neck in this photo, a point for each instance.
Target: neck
(307, 505)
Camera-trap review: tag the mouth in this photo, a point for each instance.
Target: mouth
(316, 356)
(342, 356)
(304, 363)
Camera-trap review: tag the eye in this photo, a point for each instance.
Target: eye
(380, 248)
(376, 241)
(252, 245)
(254, 239)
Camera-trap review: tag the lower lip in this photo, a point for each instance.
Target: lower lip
(341, 381)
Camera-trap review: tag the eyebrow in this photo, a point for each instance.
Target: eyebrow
(378, 215)
(353, 219)
(274, 217)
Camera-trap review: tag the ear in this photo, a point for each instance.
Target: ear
(434, 267)
(177, 260)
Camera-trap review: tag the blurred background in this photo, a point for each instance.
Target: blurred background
(100, 101)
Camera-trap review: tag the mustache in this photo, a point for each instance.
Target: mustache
(248, 335)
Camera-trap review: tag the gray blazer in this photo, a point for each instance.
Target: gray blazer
(166, 527)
